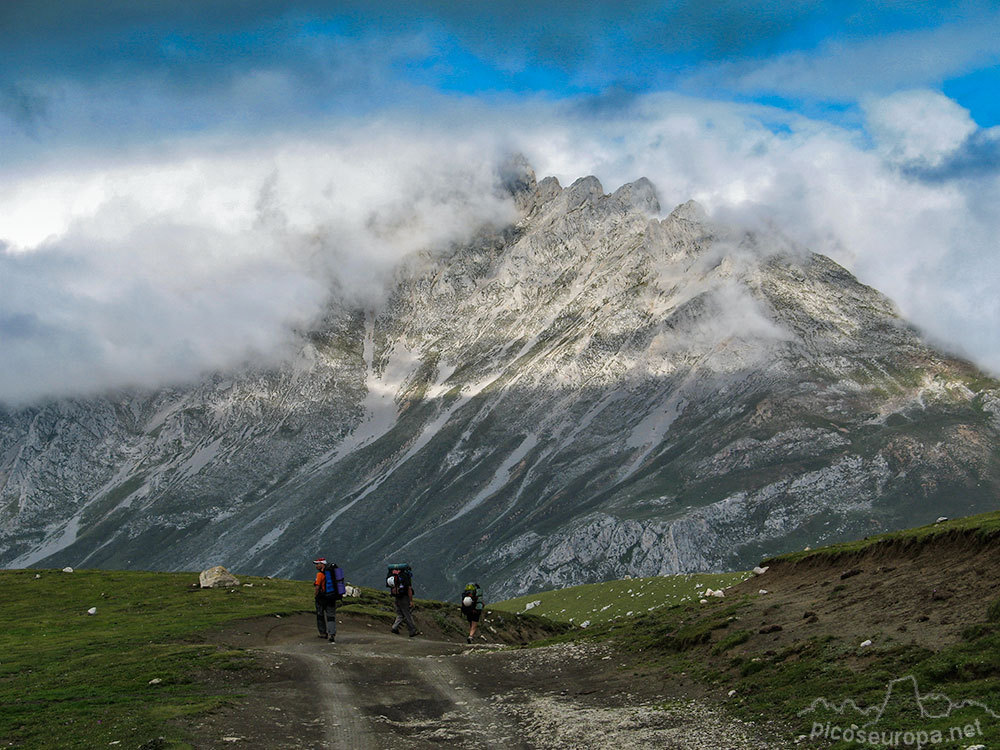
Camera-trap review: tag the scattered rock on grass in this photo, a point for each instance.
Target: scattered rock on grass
(217, 577)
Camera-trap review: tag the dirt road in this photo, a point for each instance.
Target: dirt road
(374, 690)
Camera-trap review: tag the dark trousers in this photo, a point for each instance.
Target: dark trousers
(326, 616)
(404, 614)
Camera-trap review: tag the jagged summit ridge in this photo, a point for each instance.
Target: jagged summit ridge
(591, 392)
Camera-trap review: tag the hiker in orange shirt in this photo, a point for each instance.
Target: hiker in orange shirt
(326, 603)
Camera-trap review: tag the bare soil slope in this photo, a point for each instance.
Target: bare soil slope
(919, 592)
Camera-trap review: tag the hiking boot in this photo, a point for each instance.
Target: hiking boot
(322, 635)
(415, 633)
(395, 630)
(469, 639)
(332, 639)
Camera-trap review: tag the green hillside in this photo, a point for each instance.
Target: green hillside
(69, 679)
(73, 680)
(599, 603)
(834, 623)
(840, 626)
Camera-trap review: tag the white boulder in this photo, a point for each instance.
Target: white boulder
(67, 569)
(217, 577)
(92, 611)
(759, 571)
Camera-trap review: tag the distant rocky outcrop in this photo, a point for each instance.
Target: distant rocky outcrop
(589, 393)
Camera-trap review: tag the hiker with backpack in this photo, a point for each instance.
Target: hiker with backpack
(329, 590)
(399, 581)
(472, 607)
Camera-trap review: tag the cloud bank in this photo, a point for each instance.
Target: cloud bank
(149, 274)
(182, 188)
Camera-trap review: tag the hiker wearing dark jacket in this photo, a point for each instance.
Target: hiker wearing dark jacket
(400, 583)
(472, 607)
(326, 606)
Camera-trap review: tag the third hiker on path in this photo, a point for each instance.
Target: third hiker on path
(400, 583)
(472, 607)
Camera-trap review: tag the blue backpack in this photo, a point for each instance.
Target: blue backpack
(334, 586)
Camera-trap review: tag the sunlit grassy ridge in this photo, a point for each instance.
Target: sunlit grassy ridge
(599, 603)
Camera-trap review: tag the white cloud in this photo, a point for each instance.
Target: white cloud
(847, 70)
(930, 246)
(153, 273)
(148, 271)
(918, 127)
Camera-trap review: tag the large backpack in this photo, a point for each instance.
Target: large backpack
(333, 582)
(475, 592)
(398, 579)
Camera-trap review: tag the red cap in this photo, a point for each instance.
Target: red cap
(319, 561)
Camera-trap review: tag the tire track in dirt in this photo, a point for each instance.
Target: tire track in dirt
(373, 690)
(344, 727)
(380, 690)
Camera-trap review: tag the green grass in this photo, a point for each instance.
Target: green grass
(707, 643)
(984, 526)
(601, 603)
(73, 680)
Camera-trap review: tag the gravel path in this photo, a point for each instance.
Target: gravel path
(382, 691)
(374, 690)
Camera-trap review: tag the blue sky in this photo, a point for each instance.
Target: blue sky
(134, 135)
(814, 57)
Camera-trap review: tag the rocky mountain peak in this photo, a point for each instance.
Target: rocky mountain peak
(637, 196)
(691, 211)
(588, 394)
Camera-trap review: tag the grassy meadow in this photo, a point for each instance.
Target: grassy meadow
(595, 604)
(73, 680)
(116, 678)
